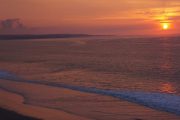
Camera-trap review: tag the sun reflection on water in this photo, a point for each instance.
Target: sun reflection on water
(167, 88)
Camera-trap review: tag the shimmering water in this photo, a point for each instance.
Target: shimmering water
(150, 64)
(111, 66)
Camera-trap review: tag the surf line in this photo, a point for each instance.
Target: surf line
(159, 101)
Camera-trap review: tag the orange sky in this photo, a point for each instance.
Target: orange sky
(94, 16)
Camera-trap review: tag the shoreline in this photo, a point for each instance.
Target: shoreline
(129, 96)
(62, 96)
(19, 105)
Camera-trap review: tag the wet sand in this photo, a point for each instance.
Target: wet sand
(17, 103)
(71, 105)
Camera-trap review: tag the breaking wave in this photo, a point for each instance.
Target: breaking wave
(160, 101)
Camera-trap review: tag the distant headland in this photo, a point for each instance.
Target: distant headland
(41, 36)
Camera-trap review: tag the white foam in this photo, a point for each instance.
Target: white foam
(159, 101)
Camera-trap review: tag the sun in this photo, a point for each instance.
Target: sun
(165, 26)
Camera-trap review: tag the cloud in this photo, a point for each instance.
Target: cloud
(11, 25)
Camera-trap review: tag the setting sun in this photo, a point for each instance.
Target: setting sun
(165, 26)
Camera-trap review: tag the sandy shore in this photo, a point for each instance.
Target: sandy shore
(38, 100)
(16, 102)
(10, 115)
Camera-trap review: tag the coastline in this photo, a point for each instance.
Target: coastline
(72, 100)
(17, 104)
(41, 36)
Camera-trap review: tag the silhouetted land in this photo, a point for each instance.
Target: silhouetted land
(41, 36)
(10, 115)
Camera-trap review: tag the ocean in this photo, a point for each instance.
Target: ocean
(145, 71)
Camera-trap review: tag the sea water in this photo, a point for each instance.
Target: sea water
(141, 70)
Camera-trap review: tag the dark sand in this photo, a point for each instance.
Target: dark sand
(10, 115)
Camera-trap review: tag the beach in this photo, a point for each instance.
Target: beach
(80, 79)
(9, 115)
(73, 105)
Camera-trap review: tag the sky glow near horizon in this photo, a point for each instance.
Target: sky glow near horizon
(123, 17)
